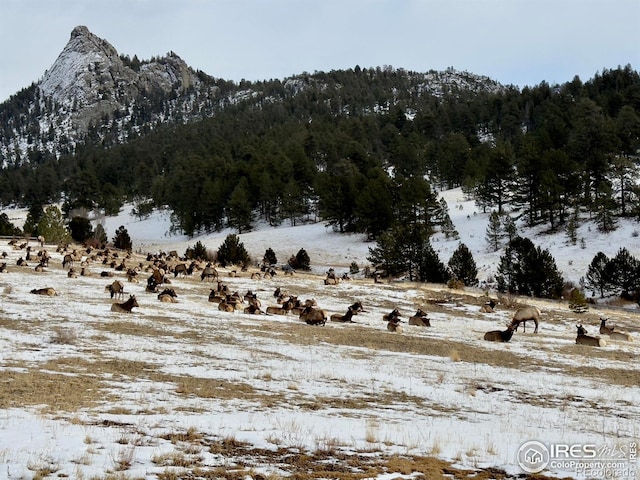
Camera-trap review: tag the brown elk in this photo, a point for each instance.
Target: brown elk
(488, 306)
(394, 326)
(168, 295)
(392, 316)
(209, 273)
(500, 336)
(45, 291)
(613, 333)
(525, 314)
(226, 307)
(347, 317)
(132, 275)
(298, 307)
(284, 309)
(116, 289)
(125, 307)
(313, 316)
(420, 319)
(253, 308)
(180, 269)
(584, 339)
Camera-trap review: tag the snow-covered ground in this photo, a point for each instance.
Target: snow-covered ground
(184, 387)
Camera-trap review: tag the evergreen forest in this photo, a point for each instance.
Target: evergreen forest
(361, 149)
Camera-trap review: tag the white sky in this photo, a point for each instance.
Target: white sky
(520, 42)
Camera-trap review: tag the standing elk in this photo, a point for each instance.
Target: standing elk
(125, 307)
(524, 314)
(116, 289)
(584, 339)
(209, 273)
(501, 336)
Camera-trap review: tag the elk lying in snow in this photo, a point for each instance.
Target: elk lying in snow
(223, 306)
(613, 333)
(45, 291)
(392, 316)
(420, 319)
(284, 309)
(298, 307)
(313, 316)
(394, 326)
(524, 314)
(584, 339)
(168, 295)
(489, 306)
(347, 317)
(253, 308)
(125, 307)
(500, 336)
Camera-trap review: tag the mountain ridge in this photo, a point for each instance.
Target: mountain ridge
(91, 89)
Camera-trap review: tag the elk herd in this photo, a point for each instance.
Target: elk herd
(160, 267)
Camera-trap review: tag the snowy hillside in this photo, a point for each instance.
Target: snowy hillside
(329, 249)
(185, 390)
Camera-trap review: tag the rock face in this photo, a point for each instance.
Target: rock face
(91, 80)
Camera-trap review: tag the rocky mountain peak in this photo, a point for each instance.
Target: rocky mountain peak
(93, 81)
(73, 74)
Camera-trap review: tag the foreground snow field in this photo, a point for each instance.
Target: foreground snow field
(183, 390)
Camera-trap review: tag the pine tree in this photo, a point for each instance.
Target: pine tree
(529, 270)
(429, 266)
(122, 240)
(624, 270)
(387, 255)
(463, 266)
(269, 257)
(232, 252)
(303, 260)
(509, 227)
(598, 276)
(80, 228)
(100, 235)
(494, 232)
(446, 225)
(52, 226)
(7, 228)
(240, 213)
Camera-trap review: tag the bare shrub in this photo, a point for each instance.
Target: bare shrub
(64, 336)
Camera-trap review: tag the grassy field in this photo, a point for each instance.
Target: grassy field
(183, 390)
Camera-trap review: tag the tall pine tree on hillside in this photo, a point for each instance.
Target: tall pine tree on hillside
(598, 278)
(494, 232)
(463, 266)
(528, 270)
